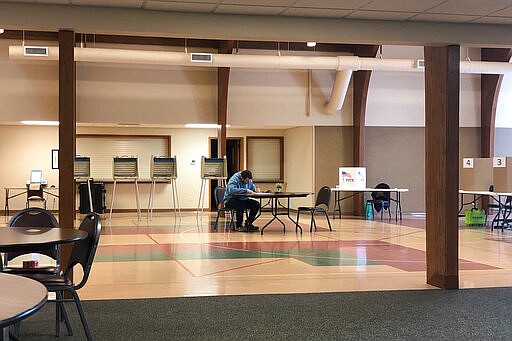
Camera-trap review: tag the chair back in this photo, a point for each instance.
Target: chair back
(382, 196)
(323, 197)
(36, 192)
(219, 195)
(33, 217)
(84, 250)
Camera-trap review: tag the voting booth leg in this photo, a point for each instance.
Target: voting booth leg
(150, 200)
(201, 197)
(112, 201)
(89, 192)
(137, 198)
(175, 200)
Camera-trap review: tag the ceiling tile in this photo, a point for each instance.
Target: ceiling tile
(257, 10)
(444, 17)
(109, 3)
(273, 3)
(325, 4)
(507, 12)
(475, 7)
(53, 2)
(179, 6)
(380, 15)
(402, 5)
(494, 20)
(315, 12)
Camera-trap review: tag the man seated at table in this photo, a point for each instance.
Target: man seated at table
(241, 183)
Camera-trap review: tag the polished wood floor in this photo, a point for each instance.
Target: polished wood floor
(171, 256)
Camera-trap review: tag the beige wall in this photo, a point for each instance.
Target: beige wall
(333, 149)
(298, 164)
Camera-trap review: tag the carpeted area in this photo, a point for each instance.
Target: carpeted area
(470, 314)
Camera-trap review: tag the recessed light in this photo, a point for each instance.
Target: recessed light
(311, 43)
(41, 123)
(2, 30)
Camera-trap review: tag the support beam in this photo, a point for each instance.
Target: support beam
(361, 83)
(67, 132)
(222, 98)
(490, 86)
(442, 77)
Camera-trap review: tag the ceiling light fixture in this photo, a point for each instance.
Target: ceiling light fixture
(311, 43)
(41, 123)
(203, 125)
(2, 30)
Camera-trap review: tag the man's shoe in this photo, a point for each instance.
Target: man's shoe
(253, 228)
(241, 229)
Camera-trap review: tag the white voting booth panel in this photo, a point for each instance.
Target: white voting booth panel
(352, 177)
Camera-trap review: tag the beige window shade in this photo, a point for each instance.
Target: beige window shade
(264, 158)
(101, 149)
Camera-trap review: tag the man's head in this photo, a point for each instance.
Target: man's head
(246, 175)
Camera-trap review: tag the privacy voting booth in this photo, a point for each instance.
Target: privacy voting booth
(476, 174)
(125, 168)
(212, 169)
(163, 169)
(502, 173)
(352, 178)
(82, 172)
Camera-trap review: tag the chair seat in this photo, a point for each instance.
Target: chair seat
(51, 282)
(51, 270)
(306, 208)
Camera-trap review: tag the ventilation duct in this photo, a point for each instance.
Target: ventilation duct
(347, 64)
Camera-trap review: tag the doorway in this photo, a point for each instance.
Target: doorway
(234, 160)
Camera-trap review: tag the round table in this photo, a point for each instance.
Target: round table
(19, 298)
(33, 238)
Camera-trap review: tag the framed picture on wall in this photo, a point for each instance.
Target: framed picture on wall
(55, 159)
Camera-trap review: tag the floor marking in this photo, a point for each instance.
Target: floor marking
(172, 256)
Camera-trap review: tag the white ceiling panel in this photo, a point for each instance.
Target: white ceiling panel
(179, 6)
(109, 3)
(315, 12)
(274, 3)
(402, 5)
(474, 7)
(255, 10)
(380, 15)
(494, 20)
(444, 17)
(326, 4)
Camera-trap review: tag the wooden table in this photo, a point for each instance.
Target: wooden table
(275, 204)
(20, 297)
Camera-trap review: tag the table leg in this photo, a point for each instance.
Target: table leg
(289, 217)
(5, 333)
(275, 207)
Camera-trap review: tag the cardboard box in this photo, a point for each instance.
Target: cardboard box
(502, 169)
(476, 174)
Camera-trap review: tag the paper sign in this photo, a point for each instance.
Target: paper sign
(352, 177)
(499, 162)
(467, 162)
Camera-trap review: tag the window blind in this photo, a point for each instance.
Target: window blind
(264, 158)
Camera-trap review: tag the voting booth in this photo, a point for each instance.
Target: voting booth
(476, 174)
(502, 173)
(163, 169)
(212, 169)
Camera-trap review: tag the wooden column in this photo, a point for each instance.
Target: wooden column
(490, 86)
(360, 84)
(67, 132)
(222, 97)
(442, 76)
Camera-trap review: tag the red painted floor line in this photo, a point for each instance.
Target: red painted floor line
(172, 256)
(243, 267)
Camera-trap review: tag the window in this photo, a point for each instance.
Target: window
(265, 158)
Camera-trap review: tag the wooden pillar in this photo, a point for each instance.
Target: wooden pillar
(222, 98)
(360, 85)
(442, 74)
(490, 86)
(67, 132)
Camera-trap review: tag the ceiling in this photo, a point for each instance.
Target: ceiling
(459, 11)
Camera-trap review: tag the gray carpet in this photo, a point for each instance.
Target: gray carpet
(471, 314)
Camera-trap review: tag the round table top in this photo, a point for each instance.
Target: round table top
(277, 194)
(19, 298)
(25, 238)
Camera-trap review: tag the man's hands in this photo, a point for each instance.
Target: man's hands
(250, 191)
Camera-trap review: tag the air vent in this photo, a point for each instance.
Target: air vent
(201, 57)
(39, 51)
(420, 63)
